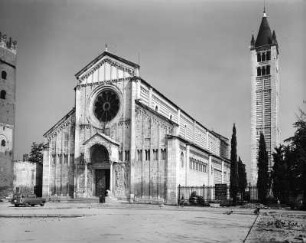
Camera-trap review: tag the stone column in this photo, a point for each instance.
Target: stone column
(46, 173)
(222, 171)
(77, 154)
(133, 135)
(187, 164)
(85, 178)
(111, 177)
(172, 175)
(209, 171)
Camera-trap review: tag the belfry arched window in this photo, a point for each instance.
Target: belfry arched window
(3, 94)
(268, 70)
(258, 57)
(258, 71)
(263, 71)
(3, 75)
(3, 143)
(268, 55)
(263, 56)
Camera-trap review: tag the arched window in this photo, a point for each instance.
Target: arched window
(156, 108)
(258, 57)
(3, 75)
(3, 94)
(3, 143)
(263, 56)
(99, 154)
(263, 71)
(258, 71)
(268, 70)
(268, 55)
(182, 159)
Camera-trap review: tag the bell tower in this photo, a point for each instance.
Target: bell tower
(7, 111)
(265, 93)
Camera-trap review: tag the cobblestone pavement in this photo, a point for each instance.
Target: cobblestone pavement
(64, 222)
(279, 226)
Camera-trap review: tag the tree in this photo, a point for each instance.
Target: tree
(242, 178)
(296, 158)
(234, 167)
(263, 174)
(36, 154)
(280, 176)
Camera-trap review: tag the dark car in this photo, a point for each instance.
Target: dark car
(20, 199)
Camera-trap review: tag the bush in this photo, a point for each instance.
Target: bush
(195, 199)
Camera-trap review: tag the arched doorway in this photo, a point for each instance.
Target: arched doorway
(101, 168)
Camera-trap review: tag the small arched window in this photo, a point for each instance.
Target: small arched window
(258, 71)
(258, 57)
(156, 108)
(3, 94)
(182, 159)
(3, 143)
(170, 117)
(3, 75)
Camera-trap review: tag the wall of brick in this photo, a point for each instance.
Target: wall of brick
(7, 114)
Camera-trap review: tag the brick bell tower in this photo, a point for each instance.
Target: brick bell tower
(265, 94)
(7, 111)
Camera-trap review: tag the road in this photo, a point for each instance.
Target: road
(59, 222)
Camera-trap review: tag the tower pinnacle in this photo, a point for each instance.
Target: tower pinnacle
(264, 12)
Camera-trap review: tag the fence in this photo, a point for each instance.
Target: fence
(219, 192)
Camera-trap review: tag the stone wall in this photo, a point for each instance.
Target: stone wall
(58, 162)
(28, 177)
(150, 163)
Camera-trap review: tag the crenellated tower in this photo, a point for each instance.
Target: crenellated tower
(265, 93)
(7, 111)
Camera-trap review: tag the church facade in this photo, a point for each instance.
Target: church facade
(125, 136)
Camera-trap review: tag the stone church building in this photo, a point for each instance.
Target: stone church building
(125, 136)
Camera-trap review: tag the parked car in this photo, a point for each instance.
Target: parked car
(20, 199)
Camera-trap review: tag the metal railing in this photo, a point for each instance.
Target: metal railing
(217, 193)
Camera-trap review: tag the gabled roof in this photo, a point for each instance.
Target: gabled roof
(70, 113)
(105, 53)
(264, 36)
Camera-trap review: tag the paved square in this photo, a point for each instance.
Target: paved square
(125, 223)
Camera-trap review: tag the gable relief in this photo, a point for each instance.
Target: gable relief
(69, 122)
(107, 69)
(102, 83)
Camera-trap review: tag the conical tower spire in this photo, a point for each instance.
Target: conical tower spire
(264, 36)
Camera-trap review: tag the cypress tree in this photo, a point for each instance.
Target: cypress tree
(263, 174)
(242, 178)
(234, 167)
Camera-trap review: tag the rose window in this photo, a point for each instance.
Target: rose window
(106, 105)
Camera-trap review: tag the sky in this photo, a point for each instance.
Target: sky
(195, 52)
